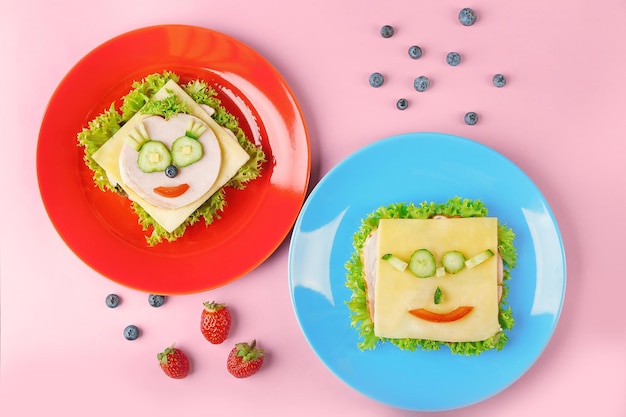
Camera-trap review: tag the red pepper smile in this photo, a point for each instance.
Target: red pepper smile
(171, 192)
(453, 315)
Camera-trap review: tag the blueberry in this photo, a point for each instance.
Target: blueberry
(131, 332)
(467, 17)
(156, 300)
(112, 300)
(415, 52)
(421, 83)
(402, 104)
(387, 31)
(499, 80)
(471, 118)
(171, 171)
(453, 59)
(376, 79)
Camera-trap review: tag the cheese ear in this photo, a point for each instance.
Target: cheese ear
(233, 158)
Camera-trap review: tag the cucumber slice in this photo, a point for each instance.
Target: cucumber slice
(395, 262)
(195, 129)
(453, 261)
(479, 259)
(137, 137)
(186, 151)
(422, 263)
(153, 156)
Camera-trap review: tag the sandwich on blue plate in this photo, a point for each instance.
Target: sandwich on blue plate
(432, 275)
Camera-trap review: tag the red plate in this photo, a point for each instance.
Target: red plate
(101, 228)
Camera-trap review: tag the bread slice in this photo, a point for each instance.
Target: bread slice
(392, 294)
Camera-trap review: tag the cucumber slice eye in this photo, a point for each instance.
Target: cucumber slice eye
(186, 151)
(453, 261)
(153, 157)
(422, 263)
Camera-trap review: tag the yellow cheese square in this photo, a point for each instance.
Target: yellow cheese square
(233, 158)
(396, 292)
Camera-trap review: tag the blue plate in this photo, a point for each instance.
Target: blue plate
(413, 168)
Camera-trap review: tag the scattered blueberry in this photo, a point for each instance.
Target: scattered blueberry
(402, 104)
(421, 83)
(499, 80)
(376, 79)
(415, 52)
(471, 118)
(171, 171)
(387, 31)
(112, 300)
(453, 59)
(467, 17)
(131, 332)
(156, 300)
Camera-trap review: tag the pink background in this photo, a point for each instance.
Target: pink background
(560, 119)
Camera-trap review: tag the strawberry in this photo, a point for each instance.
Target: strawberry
(215, 322)
(174, 362)
(245, 360)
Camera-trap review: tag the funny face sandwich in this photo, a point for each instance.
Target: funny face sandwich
(432, 275)
(171, 151)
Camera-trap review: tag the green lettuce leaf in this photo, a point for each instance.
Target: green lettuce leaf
(91, 138)
(140, 99)
(355, 280)
(142, 92)
(166, 107)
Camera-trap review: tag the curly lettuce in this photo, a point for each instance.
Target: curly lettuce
(140, 99)
(142, 91)
(355, 280)
(166, 107)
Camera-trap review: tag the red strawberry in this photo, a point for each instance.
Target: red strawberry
(215, 323)
(174, 362)
(245, 360)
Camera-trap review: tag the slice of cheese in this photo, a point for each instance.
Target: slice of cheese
(233, 158)
(396, 293)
